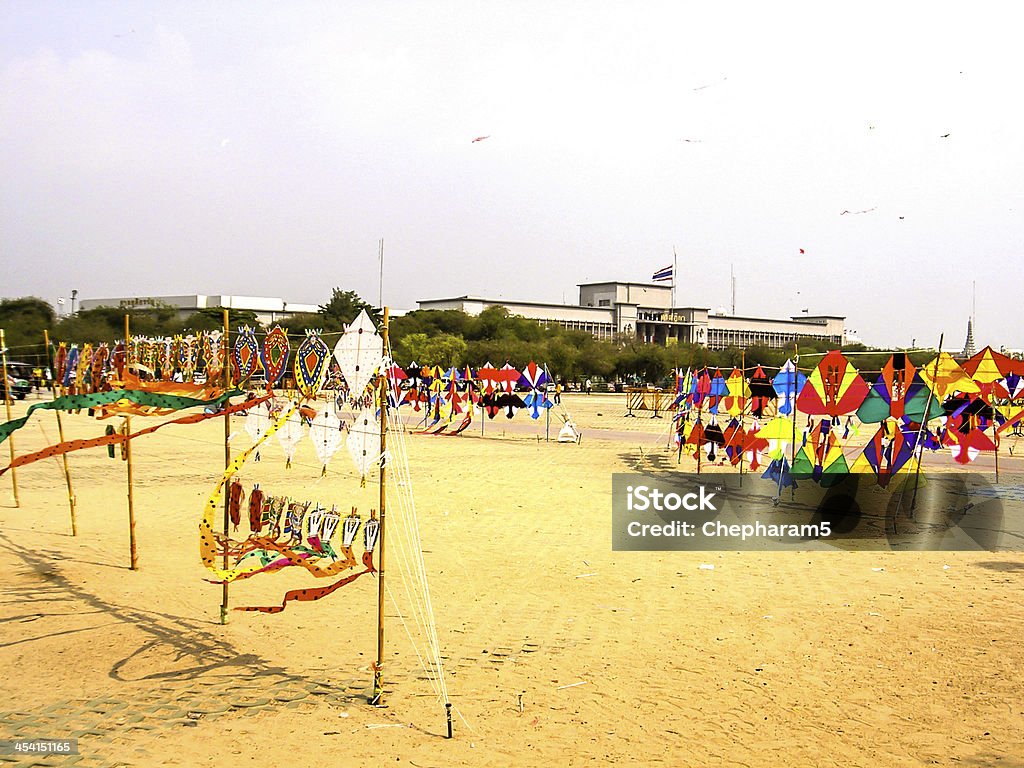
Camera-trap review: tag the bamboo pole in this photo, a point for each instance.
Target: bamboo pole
(378, 672)
(924, 420)
(128, 459)
(72, 501)
(792, 448)
(225, 346)
(7, 405)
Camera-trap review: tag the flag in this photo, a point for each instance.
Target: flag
(665, 273)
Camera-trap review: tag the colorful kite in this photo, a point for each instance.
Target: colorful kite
(311, 363)
(274, 355)
(833, 389)
(788, 382)
(245, 354)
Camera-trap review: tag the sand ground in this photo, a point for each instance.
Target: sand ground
(823, 659)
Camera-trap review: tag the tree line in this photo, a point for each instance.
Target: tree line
(428, 337)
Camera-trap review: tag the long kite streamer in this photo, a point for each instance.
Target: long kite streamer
(98, 399)
(113, 437)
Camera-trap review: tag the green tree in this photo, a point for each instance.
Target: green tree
(343, 308)
(442, 349)
(24, 321)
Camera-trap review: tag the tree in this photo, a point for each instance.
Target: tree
(24, 321)
(343, 308)
(442, 349)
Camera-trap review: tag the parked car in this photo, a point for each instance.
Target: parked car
(19, 377)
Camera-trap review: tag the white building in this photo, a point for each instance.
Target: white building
(268, 310)
(645, 310)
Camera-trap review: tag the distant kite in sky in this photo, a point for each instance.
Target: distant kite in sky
(802, 250)
(866, 210)
(708, 85)
(479, 138)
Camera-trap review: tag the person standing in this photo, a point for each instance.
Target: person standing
(588, 385)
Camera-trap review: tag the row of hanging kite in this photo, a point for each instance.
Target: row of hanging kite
(358, 355)
(327, 432)
(284, 532)
(446, 394)
(89, 367)
(985, 393)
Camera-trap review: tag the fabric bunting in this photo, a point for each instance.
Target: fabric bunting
(112, 437)
(159, 400)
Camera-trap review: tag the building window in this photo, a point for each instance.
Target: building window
(604, 302)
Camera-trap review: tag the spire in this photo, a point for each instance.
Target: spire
(969, 349)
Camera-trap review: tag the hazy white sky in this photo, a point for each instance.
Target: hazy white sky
(265, 148)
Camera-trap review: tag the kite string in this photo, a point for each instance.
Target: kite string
(409, 541)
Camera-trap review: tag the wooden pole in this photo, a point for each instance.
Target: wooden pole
(924, 420)
(995, 437)
(378, 672)
(72, 502)
(7, 405)
(226, 346)
(128, 459)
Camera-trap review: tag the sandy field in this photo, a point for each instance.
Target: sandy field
(559, 651)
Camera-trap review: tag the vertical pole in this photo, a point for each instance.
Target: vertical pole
(226, 347)
(674, 270)
(995, 438)
(700, 445)
(60, 432)
(380, 283)
(796, 378)
(547, 411)
(924, 420)
(7, 405)
(378, 672)
(128, 458)
(743, 410)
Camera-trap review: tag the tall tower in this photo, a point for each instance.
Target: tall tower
(969, 349)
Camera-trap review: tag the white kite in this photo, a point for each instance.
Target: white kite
(364, 442)
(257, 421)
(359, 352)
(325, 432)
(289, 436)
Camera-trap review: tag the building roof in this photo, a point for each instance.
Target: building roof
(620, 282)
(503, 302)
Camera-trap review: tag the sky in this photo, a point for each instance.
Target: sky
(863, 159)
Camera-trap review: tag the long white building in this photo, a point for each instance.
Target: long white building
(268, 310)
(645, 310)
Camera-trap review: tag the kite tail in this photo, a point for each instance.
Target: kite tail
(303, 595)
(368, 562)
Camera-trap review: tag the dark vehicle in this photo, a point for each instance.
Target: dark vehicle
(19, 377)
